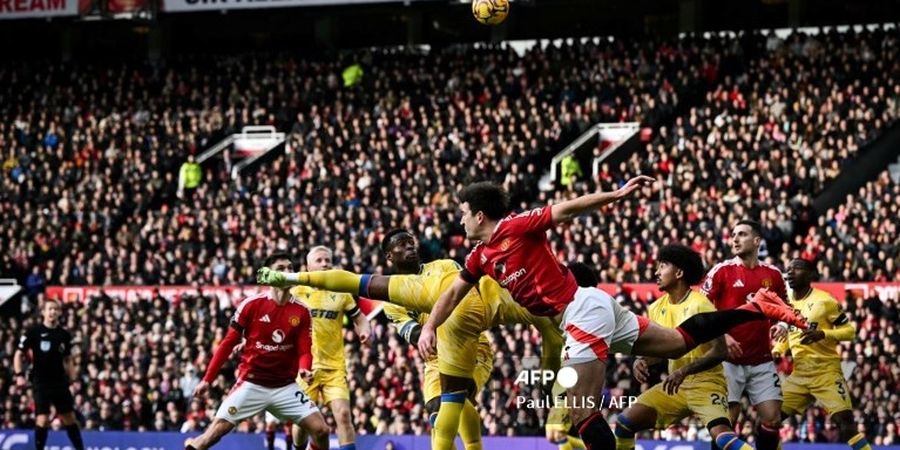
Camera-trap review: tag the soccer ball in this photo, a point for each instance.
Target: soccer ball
(490, 12)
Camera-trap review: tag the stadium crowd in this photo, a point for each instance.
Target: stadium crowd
(90, 169)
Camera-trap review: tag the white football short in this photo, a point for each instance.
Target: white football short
(247, 400)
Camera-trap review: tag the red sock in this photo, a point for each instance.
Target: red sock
(767, 438)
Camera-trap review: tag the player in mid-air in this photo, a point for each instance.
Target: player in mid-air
(278, 345)
(817, 371)
(514, 250)
(696, 381)
(329, 379)
(402, 253)
(749, 366)
(483, 308)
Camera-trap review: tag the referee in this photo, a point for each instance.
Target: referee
(52, 369)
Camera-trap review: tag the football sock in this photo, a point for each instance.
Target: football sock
(576, 443)
(447, 424)
(731, 441)
(766, 438)
(705, 327)
(74, 433)
(288, 436)
(563, 444)
(40, 437)
(595, 433)
(624, 433)
(270, 438)
(859, 442)
(470, 427)
(335, 280)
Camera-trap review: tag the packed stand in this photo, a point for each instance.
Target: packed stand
(94, 181)
(760, 145)
(95, 186)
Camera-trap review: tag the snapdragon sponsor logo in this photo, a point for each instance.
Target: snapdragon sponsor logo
(273, 348)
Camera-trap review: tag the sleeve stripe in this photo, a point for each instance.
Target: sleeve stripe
(467, 276)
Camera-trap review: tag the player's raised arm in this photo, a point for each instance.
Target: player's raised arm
(439, 314)
(569, 209)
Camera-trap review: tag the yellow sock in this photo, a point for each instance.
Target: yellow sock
(470, 427)
(624, 443)
(333, 280)
(447, 424)
(577, 444)
(859, 442)
(563, 444)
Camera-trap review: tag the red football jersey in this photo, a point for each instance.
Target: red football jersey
(730, 284)
(279, 340)
(518, 256)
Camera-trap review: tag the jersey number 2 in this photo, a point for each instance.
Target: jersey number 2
(303, 398)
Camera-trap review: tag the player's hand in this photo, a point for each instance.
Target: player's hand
(734, 347)
(237, 349)
(778, 332)
(268, 277)
(305, 375)
(634, 184)
(640, 370)
(673, 381)
(811, 336)
(201, 389)
(427, 342)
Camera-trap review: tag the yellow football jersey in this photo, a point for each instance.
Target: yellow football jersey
(822, 312)
(671, 315)
(437, 268)
(327, 311)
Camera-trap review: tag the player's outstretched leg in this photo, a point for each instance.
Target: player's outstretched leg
(674, 343)
(407, 292)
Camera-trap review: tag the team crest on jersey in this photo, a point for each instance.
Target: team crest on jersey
(294, 321)
(504, 245)
(232, 410)
(45, 346)
(767, 283)
(277, 336)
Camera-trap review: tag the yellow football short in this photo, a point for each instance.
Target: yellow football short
(704, 398)
(827, 386)
(327, 385)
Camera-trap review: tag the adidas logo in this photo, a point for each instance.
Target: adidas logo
(265, 319)
(738, 283)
